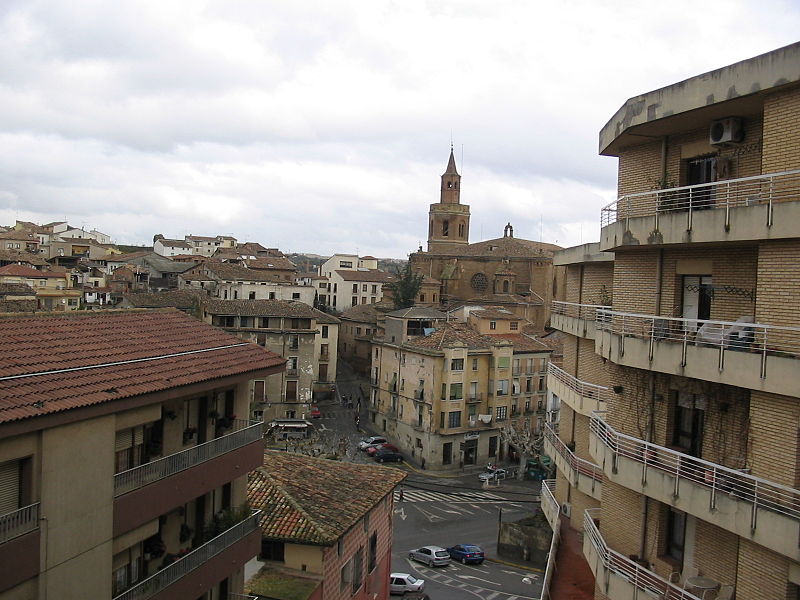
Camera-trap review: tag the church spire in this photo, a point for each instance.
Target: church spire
(451, 164)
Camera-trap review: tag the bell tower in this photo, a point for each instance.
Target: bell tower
(448, 220)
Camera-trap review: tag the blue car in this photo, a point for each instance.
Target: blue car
(466, 553)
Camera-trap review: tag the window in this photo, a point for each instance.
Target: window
(324, 331)
(456, 391)
(345, 264)
(251, 296)
(291, 390)
(355, 288)
(422, 297)
(441, 420)
(461, 230)
(493, 446)
(345, 575)
(474, 364)
(502, 387)
(295, 295)
(372, 554)
(129, 448)
(514, 325)
(502, 413)
(364, 287)
(294, 342)
(363, 299)
(503, 362)
(354, 301)
(492, 324)
(454, 419)
(271, 295)
(447, 453)
(457, 364)
(687, 432)
(676, 533)
(358, 567)
(445, 228)
(374, 289)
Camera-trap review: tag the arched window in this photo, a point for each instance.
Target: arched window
(445, 228)
(461, 230)
(505, 286)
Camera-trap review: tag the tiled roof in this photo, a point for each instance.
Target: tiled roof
(365, 313)
(373, 275)
(503, 247)
(19, 235)
(497, 314)
(55, 362)
(554, 340)
(16, 289)
(315, 500)
(123, 258)
(175, 243)
(231, 272)
(7, 255)
(14, 306)
(23, 271)
(523, 342)
(270, 263)
(266, 308)
(449, 334)
(418, 312)
(173, 298)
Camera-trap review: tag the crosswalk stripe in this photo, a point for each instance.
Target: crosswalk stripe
(431, 496)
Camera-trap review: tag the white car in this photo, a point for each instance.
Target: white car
(375, 440)
(400, 583)
(433, 556)
(495, 475)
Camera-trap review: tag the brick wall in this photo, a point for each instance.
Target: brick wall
(573, 283)
(761, 573)
(634, 281)
(591, 367)
(774, 422)
(620, 522)
(781, 132)
(778, 283)
(597, 283)
(716, 552)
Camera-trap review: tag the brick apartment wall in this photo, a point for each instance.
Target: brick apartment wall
(639, 169)
(635, 281)
(591, 367)
(778, 283)
(562, 493)
(597, 282)
(620, 521)
(579, 502)
(581, 436)
(781, 132)
(570, 353)
(716, 552)
(774, 419)
(573, 283)
(566, 420)
(761, 573)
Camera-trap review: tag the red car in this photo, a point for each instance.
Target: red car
(315, 412)
(387, 446)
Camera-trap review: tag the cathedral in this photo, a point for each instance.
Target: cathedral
(508, 271)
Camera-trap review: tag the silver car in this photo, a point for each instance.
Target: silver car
(433, 556)
(400, 583)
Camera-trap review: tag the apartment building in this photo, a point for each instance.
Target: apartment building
(124, 456)
(697, 440)
(230, 281)
(351, 281)
(328, 531)
(442, 390)
(360, 325)
(305, 336)
(53, 288)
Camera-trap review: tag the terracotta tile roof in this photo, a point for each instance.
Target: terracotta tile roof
(175, 243)
(19, 236)
(7, 255)
(418, 312)
(449, 334)
(23, 271)
(266, 308)
(123, 258)
(232, 272)
(174, 298)
(55, 362)
(503, 247)
(16, 306)
(271, 263)
(365, 313)
(523, 342)
(16, 289)
(496, 313)
(315, 500)
(373, 275)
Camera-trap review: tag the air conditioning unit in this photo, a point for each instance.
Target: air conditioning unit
(566, 509)
(724, 131)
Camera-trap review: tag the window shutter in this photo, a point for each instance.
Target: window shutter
(124, 440)
(9, 486)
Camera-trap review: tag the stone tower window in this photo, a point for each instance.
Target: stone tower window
(505, 286)
(461, 230)
(445, 228)
(479, 282)
(449, 185)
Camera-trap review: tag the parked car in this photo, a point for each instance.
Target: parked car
(466, 553)
(495, 475)
(371, 450)
(375, 440)
(400, 583)
(433, 556)
(315, 412)
(384, 455)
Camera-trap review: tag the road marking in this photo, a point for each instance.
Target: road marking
(402, 512)
(451, 498)
(430, 516)
(479, 579)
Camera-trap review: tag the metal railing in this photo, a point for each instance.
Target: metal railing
(132, 479)
(638, 576)
(720, 195)
(195, 559)
(574, 310)
(584, 389)
(740, 336)
(19, 522)
(550, 567)
(580, 466)
(685, 469)
(474, 397)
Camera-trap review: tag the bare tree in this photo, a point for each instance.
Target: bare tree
(525, 440)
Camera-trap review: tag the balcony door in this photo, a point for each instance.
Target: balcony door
(701, 170)
(687, 433)
(697, 297)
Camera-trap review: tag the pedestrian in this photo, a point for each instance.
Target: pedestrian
(401, 494)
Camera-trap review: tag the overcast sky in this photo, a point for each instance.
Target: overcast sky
(325, 126)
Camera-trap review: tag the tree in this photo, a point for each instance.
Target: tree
(528, 442)
(405, 287)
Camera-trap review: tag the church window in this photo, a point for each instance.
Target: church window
(445, 228)
(449, 185)
(505, 286)
(479, 282)
(461, 230)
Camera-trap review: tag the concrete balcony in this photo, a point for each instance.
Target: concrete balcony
(550, 506)
(150, 490)
(581, 396)
(203, 567)
(766, 513)
(582, 474)
(748, 209)
(619, 577)
(575, 319)
(746, 355)
(19, 546)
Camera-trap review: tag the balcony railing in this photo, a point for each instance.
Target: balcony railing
(19, 522)
(639, 577)
(167, 466)
(195, 559)
(754, 338)
(576, 311)
(721, 195)
(580, 466)
(550, 506)
(474, 397)
(584, 389)
(685, 469)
